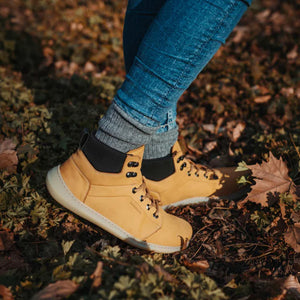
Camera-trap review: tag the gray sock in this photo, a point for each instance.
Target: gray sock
(120, 131)
(160, 144)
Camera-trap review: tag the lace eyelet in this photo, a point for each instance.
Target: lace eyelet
(133, 164)
(131, 174)
(179, 159)
(134, 190)
(182, 166)
(155, 216)
(148, 207)
(189, 174)
(197, 175)
(142, 198)
(205, 176)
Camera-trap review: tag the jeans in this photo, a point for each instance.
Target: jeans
(166, 45)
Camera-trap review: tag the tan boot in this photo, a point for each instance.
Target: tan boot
(117, 202)
(192, 183)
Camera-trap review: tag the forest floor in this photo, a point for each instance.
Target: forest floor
(60, 65)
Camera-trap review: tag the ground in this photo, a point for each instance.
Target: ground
(60, 65)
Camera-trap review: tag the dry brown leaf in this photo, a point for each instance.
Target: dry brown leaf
(237, 131)
(6, 240)
(292, 236)
(270, 177)
(97, 275)
(164, 274)
(199, 266)
(293, 53)
(5, 293)
(209, 146)
(8, 156)
(292, 283)
(262, 99)
(57, 290)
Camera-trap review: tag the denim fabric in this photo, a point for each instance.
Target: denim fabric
(174, 42)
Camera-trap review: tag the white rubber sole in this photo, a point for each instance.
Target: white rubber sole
(189, 201)
(197, 200)
(61, 193)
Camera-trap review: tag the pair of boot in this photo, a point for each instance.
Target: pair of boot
(108, 188)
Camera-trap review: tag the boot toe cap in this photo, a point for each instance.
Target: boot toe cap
(173, 232)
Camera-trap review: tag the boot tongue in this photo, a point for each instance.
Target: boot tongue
(137, 152)
(177, 148)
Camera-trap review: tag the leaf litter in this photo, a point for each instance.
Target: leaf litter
(60, 61)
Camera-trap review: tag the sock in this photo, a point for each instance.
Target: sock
(102, 157)
(159, 168)
(120, 131)
(160, 144)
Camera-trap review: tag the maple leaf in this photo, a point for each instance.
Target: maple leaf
(271, 178)
(8, 156)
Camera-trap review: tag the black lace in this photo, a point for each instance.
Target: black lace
(153, 202)
(193, 166)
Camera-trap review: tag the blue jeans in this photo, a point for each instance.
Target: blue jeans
(166, 45)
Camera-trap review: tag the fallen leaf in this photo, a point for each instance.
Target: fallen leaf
(293, 53)
(237, 131)
(292, 283)
(209, 146)
(209, 127)
(8, 156)
(97, 275)
(164, 274)
(262, 99)
(5, 293)
(6, 240)
(57, 290)
(270, 177)
(292, 236)
(199, 266)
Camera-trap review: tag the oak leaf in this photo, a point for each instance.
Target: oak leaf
(271, 178)
(58, 290)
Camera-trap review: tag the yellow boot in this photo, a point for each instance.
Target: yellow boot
(192, 183)
(117, 202)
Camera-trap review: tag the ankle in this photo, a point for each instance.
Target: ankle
(159, 168)
(101, 156)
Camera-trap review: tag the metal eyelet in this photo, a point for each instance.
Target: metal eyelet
(131, 174)
(205, 176)
(134, 190)
(197, 175)
(142, 198)
(155, 216)
(148, 207)
(179, 159)
(182, 166)
(189, 174)
(133, 164)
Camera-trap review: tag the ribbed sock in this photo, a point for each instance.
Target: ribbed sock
(160, 144)
(120, 131)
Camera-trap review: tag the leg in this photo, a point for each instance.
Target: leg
(138, 18)
(180, 41)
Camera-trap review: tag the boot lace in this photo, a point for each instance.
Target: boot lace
(142, 187)
(206, 171)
